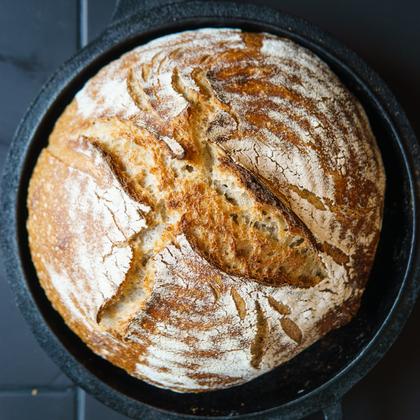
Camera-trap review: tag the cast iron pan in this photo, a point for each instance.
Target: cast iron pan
(318, 377)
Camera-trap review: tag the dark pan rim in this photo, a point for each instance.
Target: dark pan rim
(201, 14)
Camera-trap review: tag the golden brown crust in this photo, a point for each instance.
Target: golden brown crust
(208, 206)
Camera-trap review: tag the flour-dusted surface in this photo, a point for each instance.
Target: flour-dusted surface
(207, 208)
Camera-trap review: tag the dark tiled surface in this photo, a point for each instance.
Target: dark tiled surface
(32, 405)
(37, 36)
(28, 55)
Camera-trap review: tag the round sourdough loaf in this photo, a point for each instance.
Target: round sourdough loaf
(208, 206)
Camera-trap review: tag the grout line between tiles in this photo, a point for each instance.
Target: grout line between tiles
(18, 391)
(83, 34)
(82, 23)
(80, 409)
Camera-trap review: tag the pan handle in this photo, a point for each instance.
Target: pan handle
(125, 8)
(333, 411)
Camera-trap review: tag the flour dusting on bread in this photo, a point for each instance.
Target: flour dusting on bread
(208, 206)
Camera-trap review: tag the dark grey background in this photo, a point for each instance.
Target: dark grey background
(36, 36)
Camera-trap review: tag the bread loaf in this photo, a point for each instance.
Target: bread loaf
(208, 206)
